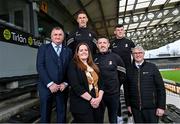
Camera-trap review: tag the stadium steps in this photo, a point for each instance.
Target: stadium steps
(172, 114)
(13, 101)
(10, 107)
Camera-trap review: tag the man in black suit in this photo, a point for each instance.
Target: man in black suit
(52, 63)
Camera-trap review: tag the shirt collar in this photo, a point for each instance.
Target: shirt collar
(139, 63)
(54, 45)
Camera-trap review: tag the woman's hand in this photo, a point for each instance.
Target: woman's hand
(95, 102)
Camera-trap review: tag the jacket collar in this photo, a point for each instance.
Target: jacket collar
(104, 53)
(141, 64)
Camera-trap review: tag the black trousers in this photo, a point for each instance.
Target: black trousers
(83, 118)
(92, 116)
(119, 108)
(145, 115)
(66, 96)
(112, 104)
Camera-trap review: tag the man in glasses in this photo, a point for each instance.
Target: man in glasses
(146, 92)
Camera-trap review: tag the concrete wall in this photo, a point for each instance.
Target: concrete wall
(17, 60)
(60, 15)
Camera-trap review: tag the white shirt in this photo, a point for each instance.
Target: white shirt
(55, 48)
(138, 64)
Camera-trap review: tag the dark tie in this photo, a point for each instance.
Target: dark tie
(138, 66)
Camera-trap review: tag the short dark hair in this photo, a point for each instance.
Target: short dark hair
(119, 26)
(80, 12)
(102, 36)
(57, 28)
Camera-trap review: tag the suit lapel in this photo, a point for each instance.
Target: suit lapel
(63, 55)
(52, 53)
(84, 79)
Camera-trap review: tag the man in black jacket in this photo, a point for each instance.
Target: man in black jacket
(122, 46)
(113, 73)
(146, 91)
(82, 34)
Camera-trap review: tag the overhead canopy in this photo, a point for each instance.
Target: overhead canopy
(151, 23)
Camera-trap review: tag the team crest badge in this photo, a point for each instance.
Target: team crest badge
(126, 45)
(110, 62)
(78, 34)
(90, 35)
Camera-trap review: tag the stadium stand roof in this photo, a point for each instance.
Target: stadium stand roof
(151, 23)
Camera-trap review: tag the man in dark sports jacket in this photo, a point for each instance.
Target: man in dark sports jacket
(113, 73)
(146, 98)
(122, 46)
(82, 34)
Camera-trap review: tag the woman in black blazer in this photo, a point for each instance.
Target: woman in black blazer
(86, 89)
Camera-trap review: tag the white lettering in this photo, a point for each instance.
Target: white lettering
(18, 38)
(37, 42)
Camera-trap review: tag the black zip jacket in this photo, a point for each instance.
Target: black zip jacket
(82, 35)
(145, 87)
(122, 47)
(112, 71)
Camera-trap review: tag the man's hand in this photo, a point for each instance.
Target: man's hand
(54, 88)
(129, 109)
(61, 87)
